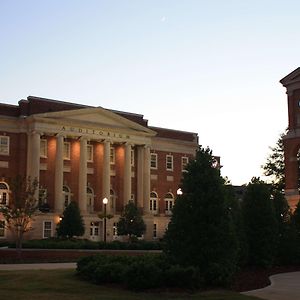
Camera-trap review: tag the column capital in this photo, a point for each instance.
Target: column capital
(35, 132)
(59, 134)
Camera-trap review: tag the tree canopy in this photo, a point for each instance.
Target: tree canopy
(131, 222)
(261, 226)
(274, 167)
(22, 207)
(201, 232)
(71, 223)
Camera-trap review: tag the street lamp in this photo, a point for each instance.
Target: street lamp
(179, 192)
(105, 201)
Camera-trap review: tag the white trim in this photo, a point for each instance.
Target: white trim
(132, 157)
(154, 161)
(91, 157)
(43, 148)
(112, 155)
(4, 148)
(184, 164)
(67, 151)
(169, 156)
(48, 229)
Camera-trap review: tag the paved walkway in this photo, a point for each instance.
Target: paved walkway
(285, 286)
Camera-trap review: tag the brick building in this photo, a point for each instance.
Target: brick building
(292, 139)
(86, 154)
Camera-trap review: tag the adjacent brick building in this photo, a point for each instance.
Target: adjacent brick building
(86, 154)
(292, 138)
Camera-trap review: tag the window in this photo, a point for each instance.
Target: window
(90, 199)
(112, 157)
(4, 145)
(90, 156)
(47, 229)
(42, 196)
(184, 162)
(154, 230)
(67, 195)
(4, 195)
(67, 151)
(169, 162)
(2, 229)
(112, 199)
(169, 202)
(153, 161)
(132, 157)
(153, 202)
(94, 229)
(43, 148)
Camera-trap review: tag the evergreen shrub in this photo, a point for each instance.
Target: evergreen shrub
(138, 272)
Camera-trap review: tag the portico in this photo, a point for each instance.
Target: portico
(121, 134)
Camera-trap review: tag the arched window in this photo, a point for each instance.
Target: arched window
(67, 195)
(90, 199)
(4, 193)
(169, 202)
(153, 202)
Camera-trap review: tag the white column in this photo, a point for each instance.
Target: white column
(82, 176)
(127, 173)
(35, 156)
(106, 175)
(146, 179)
(140, 176)
(59, 174)
(28, 170)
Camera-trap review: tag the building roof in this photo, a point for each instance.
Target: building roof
(37, 105)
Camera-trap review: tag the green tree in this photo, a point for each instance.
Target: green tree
(201, 231)
(235, 208)
(131, 222)
(71, 223)
(260, 223)
(22, 208)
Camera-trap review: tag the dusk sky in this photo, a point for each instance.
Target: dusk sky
(211, 67)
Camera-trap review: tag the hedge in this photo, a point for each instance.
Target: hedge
(138, 272)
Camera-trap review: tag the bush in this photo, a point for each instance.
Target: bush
(138, 272)
(58, 243)
(183, 277)
(143, 274)
(96, 268)
(54, 243)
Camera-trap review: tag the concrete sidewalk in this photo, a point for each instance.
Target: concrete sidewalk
(285, 286)
(46, 266)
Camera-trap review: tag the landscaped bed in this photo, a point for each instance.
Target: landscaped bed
(246, 279)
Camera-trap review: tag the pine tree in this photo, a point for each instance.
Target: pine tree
(131, 222)
(260, 223)
(72, 223)
(201, 232)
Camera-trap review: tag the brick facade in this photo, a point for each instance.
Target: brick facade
(292, 139)
(49, 119)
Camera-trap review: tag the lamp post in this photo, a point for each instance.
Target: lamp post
(105, 201)
(179, 192)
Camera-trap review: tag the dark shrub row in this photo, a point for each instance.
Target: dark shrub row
(138, 272)
(54, 243)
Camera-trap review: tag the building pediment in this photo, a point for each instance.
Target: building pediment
(93, 119)
(291, 79)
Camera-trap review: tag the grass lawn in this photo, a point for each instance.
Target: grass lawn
(63, 284)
